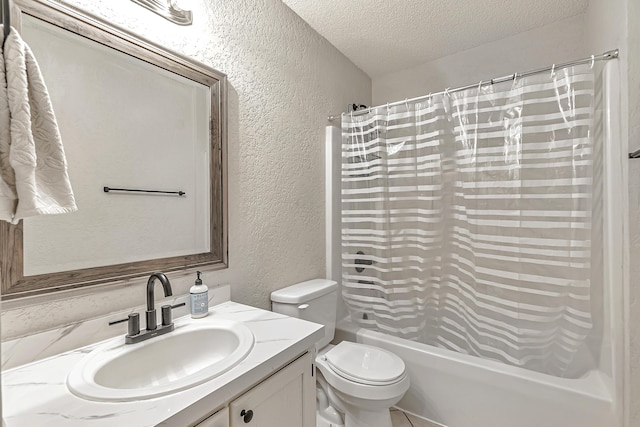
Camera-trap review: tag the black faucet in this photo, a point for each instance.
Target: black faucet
(151, 311)
(134, 334)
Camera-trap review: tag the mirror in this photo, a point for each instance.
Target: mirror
(132, 117)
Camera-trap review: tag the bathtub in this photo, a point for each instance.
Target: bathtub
(458, 390)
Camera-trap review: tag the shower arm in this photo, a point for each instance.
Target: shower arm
(611, 54)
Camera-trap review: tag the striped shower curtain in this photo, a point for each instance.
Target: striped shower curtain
(466, 219)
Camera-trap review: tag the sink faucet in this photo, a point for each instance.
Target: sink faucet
(135, 335)
(151, 311)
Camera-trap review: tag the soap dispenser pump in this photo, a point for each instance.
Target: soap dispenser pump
(199, 297)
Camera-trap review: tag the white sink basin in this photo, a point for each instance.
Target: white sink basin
(195, 352)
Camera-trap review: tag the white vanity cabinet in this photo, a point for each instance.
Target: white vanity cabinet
(285, 399)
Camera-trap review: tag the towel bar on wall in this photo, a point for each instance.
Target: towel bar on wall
(108, 189)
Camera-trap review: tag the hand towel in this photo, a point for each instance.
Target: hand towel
(35, 152)
(8, 197)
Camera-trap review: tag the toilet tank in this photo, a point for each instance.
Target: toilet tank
(314, 300)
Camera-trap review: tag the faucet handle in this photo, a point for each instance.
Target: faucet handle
(166, 315)
(133, 325)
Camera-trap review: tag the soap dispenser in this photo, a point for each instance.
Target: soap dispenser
(199, 296)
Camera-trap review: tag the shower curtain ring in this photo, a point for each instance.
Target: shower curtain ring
(593, 61)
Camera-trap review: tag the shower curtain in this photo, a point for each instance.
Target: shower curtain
(466, 219)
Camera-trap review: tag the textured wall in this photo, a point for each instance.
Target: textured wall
(284, 80)
(558, 42)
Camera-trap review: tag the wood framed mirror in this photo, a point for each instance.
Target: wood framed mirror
(132, 115)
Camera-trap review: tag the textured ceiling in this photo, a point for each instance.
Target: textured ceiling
(383, 36)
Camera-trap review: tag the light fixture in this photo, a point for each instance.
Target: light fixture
(168, 9)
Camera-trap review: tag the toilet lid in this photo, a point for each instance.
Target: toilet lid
(365, 364)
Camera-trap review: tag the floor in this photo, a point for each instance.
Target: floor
(398, 419)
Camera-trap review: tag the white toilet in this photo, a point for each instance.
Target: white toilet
(360, 381)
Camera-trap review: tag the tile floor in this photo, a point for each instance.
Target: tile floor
(400, 419)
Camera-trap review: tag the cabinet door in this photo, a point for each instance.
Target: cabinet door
(286, 399)
(219, 419)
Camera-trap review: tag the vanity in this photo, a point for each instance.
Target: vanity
(273, 385)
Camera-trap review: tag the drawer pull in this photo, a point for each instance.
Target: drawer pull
(247, 415)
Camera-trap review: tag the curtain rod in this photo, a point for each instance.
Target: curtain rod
(611, 54)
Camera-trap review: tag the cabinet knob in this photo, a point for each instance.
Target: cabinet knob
(247, 415)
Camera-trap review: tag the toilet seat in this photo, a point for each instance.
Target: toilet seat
(358, 389)
(365, 364)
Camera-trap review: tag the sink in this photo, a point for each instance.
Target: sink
(195, 352)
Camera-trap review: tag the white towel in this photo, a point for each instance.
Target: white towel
(33, 167)
(8, 197)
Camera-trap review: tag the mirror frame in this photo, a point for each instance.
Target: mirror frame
(13, 282)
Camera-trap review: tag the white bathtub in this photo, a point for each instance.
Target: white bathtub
(457, 390)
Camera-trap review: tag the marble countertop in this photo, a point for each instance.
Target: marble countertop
(35, 394)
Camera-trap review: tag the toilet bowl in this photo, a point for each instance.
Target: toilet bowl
(357, 383)
(362, 382)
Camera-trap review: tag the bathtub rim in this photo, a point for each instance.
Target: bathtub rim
(594, 384)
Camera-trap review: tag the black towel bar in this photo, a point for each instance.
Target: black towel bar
(108, 189)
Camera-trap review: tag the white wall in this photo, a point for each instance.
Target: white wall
(284, 81)
(558, 42)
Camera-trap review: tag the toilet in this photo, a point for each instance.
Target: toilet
(356, 384)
